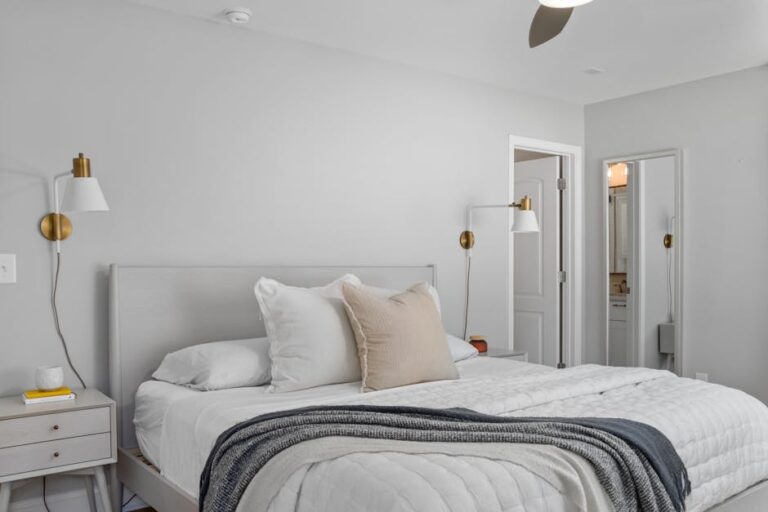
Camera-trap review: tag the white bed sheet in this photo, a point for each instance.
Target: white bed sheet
(720, 433)
(153, 399)
(201, 416)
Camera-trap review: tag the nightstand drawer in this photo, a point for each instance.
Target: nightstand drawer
(51, 454)
(47, 427)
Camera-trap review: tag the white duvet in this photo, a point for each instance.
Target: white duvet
(720, 433)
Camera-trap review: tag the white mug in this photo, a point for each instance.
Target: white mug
(48, 378)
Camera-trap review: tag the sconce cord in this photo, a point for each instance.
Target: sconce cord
(466, 294)
(670, 307)
(58, 324)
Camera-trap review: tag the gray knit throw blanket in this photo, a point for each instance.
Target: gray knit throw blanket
(636, 464)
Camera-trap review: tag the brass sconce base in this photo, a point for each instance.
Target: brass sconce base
(55, 226)
(467, 240)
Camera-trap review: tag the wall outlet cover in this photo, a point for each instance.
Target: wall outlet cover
(702, 376)
(7, 268)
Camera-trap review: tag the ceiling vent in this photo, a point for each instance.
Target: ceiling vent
(238, 15)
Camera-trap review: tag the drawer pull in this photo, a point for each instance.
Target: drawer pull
(55, 427)
(55, 454)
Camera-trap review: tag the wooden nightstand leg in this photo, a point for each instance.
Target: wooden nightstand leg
(89, 492)
(5, 496)
(101, 481)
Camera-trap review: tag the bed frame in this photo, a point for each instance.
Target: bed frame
(156, 310)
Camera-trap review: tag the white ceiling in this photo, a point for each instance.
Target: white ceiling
(641, 44)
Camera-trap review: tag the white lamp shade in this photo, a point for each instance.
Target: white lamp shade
(83, 195)
(525, 222)
(561, 4)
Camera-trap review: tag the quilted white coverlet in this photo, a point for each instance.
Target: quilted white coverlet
(720, 433)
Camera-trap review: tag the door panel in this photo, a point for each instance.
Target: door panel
(529, 326)
(536, 293)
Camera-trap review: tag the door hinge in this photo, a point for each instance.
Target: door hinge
(561, 276)
(561, 183)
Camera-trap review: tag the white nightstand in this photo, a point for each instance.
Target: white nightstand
(517, 355)
(75, 437)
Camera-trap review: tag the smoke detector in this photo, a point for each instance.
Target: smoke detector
(238, 15)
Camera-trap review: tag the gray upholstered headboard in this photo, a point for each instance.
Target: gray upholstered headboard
(156, 310)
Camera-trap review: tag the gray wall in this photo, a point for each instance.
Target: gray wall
(722, 123)
(216, 145)
(658, 197)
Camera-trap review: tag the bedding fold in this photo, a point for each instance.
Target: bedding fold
(721, 434)
(449, 477)
(636, 465)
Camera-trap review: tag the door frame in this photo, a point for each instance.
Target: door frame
(573, 242)
(639, 257)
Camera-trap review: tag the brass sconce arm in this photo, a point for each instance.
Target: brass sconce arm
(524, 204)
(467, 237)
(56, 226)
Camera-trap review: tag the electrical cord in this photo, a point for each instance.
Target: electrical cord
(123, 505)
(58, 324)
(670, 307)
(669, 285)
(466, 295)
(45, 501)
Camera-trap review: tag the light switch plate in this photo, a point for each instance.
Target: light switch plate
(7, 268)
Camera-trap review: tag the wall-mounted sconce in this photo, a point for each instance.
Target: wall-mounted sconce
(83, 194)
(524, 222)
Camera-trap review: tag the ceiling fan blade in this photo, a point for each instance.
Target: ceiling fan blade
(547, 23)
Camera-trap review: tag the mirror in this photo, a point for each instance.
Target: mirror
(641, 212)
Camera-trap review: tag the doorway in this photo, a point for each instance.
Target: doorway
(643, 263)
(545, 289)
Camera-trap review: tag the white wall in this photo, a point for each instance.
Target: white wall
(722, 123)
(215, 145)
(657, 178)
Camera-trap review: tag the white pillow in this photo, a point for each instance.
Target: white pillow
(311, 341)
(218, 365)
(460, 349)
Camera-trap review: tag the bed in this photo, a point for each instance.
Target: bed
(167, 431)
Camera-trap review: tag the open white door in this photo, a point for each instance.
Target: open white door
(536, 264)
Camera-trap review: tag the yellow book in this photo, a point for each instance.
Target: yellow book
(32, 394)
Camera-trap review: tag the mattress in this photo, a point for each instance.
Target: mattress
(198, 417)
(153, 399)
(720, 433)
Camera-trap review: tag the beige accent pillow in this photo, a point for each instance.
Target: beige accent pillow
(400, 339)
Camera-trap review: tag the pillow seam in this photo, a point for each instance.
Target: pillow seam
(357, 328)
(271, 334)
